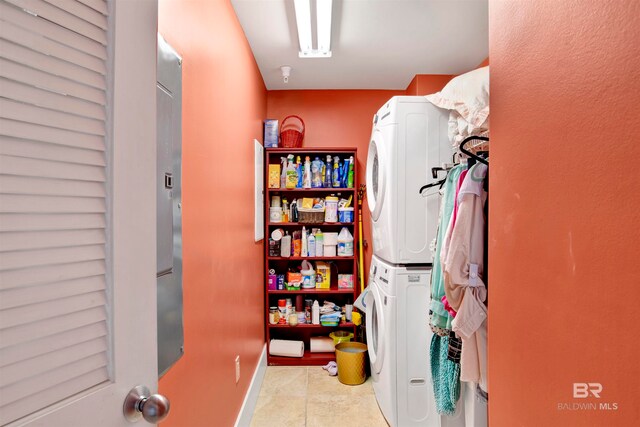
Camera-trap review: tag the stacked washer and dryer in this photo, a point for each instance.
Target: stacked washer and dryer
(409, 137)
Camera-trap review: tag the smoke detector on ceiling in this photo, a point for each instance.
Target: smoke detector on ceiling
(286, 72)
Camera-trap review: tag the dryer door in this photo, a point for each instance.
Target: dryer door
(375, 329)
(376, 174)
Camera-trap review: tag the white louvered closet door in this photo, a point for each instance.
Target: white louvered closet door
(68, 256)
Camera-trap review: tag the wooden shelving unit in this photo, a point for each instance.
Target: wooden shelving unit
(344, 265)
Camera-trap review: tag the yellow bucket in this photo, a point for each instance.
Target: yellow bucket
(352, 361)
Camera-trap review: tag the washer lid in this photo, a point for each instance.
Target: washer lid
(375, 329)
(376, 181)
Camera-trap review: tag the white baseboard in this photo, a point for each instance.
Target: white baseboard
(251, 398)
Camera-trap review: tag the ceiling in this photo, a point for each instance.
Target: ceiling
(376, 44)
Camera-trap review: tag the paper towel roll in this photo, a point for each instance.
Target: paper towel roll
(322, 345)
(287, 348)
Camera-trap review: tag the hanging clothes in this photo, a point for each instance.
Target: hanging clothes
(445, 373)
(440, 317)
(463, 276)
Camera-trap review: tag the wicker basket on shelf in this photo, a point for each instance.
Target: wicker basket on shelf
(310, 216)
(291, 138)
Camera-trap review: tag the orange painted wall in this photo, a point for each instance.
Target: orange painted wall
(425, 84)
(224, 102)
(335, 118)
(564, 222)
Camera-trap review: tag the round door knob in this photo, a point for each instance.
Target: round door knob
(139, 403)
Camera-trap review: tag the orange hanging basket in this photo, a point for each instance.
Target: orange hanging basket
(291, 138)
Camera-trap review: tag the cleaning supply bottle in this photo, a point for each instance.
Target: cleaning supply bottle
(311, 245)
(335, 179)
(344, 171)
(292, 175)
(285, 210)
(283, 174)
(345, 242)
(306, 176)
(328, 173)
(297, 243)
(304, 251)
(293, 216)
(315, 313)
(350, 173)
(316, 173)
(299, 171)
(319, 243)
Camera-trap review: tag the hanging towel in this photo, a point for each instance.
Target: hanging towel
(440, 318)
(445, 376)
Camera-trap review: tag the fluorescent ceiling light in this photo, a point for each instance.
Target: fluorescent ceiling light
(303, 22)
(323, 14)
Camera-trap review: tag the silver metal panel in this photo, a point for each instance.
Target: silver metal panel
(169, 90)
(164, 179)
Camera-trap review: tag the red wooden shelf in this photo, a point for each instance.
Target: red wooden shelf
(314, 291)
(307, 326)
(309, 359)
(312, 150)
(301, 190)
(346, 264)
(300, 224)
(313, 258)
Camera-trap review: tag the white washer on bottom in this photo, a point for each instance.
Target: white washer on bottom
(398, 338)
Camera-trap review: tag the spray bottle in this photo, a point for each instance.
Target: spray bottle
(350, 173)
(336, 172)
(306, 176)
(299, 171)
(344, 171)
(292, 176)
(328, 171)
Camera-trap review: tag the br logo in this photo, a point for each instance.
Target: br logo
(583, 390)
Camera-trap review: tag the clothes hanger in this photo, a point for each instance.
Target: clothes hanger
(473, 157)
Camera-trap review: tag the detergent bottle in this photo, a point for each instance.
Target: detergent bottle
(291, 173)
(299, 171)
(306, 176)
(336, 172)
(350, 173)
(328, 173)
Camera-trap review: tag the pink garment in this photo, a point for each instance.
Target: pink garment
(447, 307)
(463, 271)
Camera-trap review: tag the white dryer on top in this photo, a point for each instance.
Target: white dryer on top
(409, 137)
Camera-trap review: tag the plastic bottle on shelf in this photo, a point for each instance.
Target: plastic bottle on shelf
(283, 173)
(293, 215)
(328, 171)
(297, 243)
(311, 245)
(316, 173)
(350, 173)
(299, 171)
(335, 179)
(344, 171)
(315, 313)
(291, 173)
(319, 244)
(304, 251)
(306, 176)
(345, 242)
(285, 210)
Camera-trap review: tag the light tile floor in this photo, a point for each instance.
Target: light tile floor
(308, 396)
